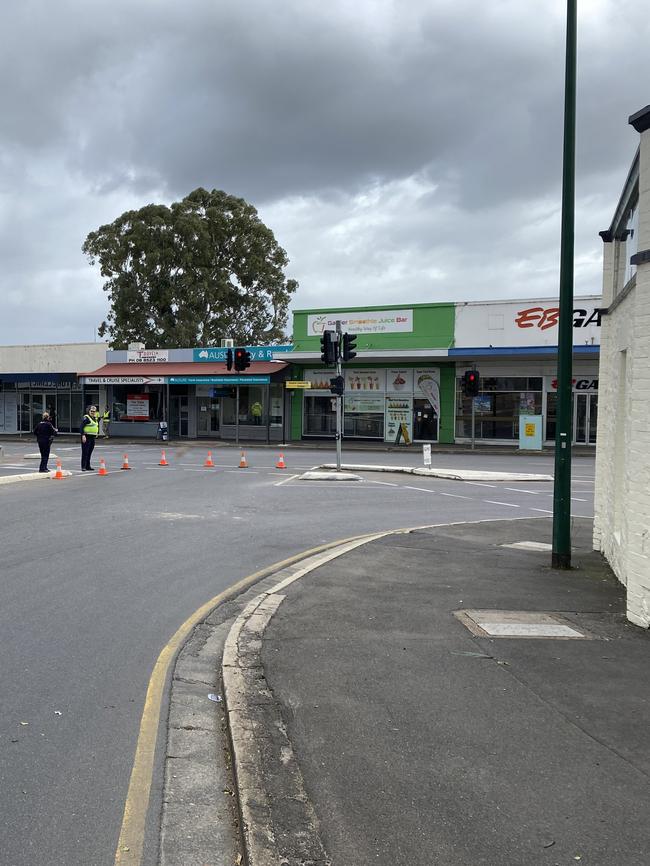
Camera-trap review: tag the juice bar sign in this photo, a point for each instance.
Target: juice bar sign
(365, 322)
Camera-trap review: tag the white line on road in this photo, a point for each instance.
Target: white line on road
(453, 495)
(518, 490)
(480, 484)
(387, 483)
(543, 510)
(285, 480)
(509, 504)
(575, 499)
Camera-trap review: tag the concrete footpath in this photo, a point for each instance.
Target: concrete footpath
(399, 705)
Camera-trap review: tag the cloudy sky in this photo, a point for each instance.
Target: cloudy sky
(401, 150)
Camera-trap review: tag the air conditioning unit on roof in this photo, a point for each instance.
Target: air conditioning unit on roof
(228, 343)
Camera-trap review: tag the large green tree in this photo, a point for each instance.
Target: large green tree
(187, 275)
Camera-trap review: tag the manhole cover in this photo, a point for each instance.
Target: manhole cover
(520, 624)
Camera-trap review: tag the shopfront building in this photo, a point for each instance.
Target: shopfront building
(192, 395)
(400, 387)
(38, 379)
(513, 345)
(411, 360)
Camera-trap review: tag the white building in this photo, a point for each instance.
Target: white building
(622, 505)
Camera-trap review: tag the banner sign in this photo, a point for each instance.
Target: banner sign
(148, 356)
(364, 322)
(219, 380)
(295, 383)
(123, 380)
(258, 353)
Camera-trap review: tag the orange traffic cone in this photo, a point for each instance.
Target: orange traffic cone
(242, 461)
(208, 463)
(102, 467)
(59, 471)
(281, 464)
(163, 460)
(125, 464)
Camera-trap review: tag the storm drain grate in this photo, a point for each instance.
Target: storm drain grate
(519, 624)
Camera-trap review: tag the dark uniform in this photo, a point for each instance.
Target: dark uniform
(45, 432)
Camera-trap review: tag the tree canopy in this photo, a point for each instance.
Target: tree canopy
(190, 274)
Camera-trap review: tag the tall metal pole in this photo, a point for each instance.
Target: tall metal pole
(339, 399)
(561, 556)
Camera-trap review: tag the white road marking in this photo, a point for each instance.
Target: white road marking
(384, 483)
(509, 504)
(453, 495)
(543, 510)
(575, 499)
(285, 480)
(480, 484)
(518, 490)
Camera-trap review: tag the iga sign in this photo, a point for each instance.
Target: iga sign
(365, 322)
(524, 323)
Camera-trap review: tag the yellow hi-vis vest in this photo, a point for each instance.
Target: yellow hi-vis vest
(91, 426)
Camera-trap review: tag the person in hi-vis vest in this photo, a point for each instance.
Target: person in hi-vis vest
(89, 430)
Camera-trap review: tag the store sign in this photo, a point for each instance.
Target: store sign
(137, 407)
(400, 381)
(258, 353)
(399, 411)
(524, 323)
(588, 383)
(123, 380)
(297, 384)
(365, 322)
(219, 380)
(148, 356)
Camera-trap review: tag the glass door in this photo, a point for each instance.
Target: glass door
(425, 422)
(179, 414)
(585, 418)
(207, 413)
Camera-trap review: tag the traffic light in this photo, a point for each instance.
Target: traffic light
(328, 348)
(349, 344)
(471, 383)
(337, 385)
(229, 359)
(242, 360)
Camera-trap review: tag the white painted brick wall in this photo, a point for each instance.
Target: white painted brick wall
(622, 498)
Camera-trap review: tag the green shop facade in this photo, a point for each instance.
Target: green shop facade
(400, 386)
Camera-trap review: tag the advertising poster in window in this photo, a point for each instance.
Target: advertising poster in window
(319, 379)
(399, 410)
(137, 407)
(365, 380)
(364, 405)
(399, 381)
(426, 383)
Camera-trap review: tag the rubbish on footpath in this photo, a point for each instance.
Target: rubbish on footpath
(58, 713)
(216, 698)
(24, 723)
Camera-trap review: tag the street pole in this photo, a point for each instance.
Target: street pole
(473, 422)
(237, 417)
(561, 556)
(339, 399)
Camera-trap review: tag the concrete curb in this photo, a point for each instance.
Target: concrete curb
(31, 476)
(278, 823)
(451, 474)
(328, 476)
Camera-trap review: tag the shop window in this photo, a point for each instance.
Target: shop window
(498, 407)
(131, 403)
(319, 416)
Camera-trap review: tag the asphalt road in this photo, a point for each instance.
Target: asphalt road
(98, 573)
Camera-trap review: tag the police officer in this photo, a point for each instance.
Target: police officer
(89, 430)
(45, 432)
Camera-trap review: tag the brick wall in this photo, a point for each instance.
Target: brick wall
(622, 496)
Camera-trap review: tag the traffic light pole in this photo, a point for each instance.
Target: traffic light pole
(561, 555)
(339, 400)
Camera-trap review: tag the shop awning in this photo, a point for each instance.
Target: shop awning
(150, 374)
